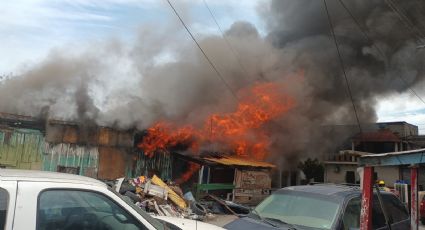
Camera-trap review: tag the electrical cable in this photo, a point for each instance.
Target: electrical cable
(203, 52)
(342, 65)
(405, 20)
(368, 38)
(226, 40)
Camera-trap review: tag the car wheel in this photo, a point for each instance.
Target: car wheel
(423, 221)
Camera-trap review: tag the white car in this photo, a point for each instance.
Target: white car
(31, 200)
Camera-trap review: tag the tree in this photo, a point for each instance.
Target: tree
(312, 169)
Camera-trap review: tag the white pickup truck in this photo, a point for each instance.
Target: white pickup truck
(35, 200)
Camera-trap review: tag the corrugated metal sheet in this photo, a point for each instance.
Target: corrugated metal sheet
(21, 148)
(70, 155)
(160, 163)
(112, 162)
(238, 161)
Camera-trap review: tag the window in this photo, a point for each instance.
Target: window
(68, 209)
(378, 218)
(395, 209)
(350, 177)
(351, 217)
(299, 209)
(4, 199)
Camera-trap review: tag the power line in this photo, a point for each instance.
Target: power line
(342, 65)
(225, 38)
(203, 52)
(405, 20)
(369, 39)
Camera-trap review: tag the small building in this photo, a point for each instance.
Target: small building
(32, 143)
(241, 180)
(342, 169)
(389, 137)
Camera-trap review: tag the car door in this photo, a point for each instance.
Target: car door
(7, 203)
(65, 206)
(397, 214)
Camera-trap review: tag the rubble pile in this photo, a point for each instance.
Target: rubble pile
(157, 197)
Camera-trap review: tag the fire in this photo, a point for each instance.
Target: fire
(162, 136)
(192, 168)
(240, 132)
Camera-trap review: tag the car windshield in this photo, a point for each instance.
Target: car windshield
(298, 209)
(157, 224)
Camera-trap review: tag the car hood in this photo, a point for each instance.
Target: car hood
(247, 223)
(187, 224)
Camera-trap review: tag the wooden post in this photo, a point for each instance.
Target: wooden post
(367, 198)
(414, 197)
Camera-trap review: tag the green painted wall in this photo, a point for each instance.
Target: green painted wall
(27, 149)
(71, 155)
(21, 148)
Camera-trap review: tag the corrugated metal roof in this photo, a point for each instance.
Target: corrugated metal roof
(218, 158)
(238, 161)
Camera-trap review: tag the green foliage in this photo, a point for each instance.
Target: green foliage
(313, 169)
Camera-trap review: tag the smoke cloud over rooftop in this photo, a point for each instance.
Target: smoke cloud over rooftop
(164, 76)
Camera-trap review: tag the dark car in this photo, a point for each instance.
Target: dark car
(320, 207)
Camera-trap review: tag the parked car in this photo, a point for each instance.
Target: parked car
(320, 207)
(32, 200)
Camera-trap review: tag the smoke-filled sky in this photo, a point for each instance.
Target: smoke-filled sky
(129, 62)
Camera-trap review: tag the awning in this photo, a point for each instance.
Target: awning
(416, 156)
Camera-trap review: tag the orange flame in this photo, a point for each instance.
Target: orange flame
(240, 132)
(192, 169)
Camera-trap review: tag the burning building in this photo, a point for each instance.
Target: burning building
(269, 103)
(31, 143)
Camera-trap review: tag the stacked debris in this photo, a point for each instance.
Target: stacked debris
(156, 197)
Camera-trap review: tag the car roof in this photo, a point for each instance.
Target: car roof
(35, 175)
(325, 189)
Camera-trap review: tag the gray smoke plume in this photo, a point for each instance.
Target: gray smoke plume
(163, 76)
(301, 30)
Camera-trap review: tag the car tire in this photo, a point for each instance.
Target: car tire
(423, 221)
(198, 208)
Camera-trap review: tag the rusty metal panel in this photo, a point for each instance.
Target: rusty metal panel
(112, 163)
(70, 135)
(64, 156)
(54, 133)
(107, 137)
(21, 148)
(92, 136)
(125, 139)
(245, 179)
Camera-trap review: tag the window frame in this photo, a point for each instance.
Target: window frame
(395, 198)
(83, 190)
(347, 201)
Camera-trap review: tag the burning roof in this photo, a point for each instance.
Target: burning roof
(215, 158)
(243, 132)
